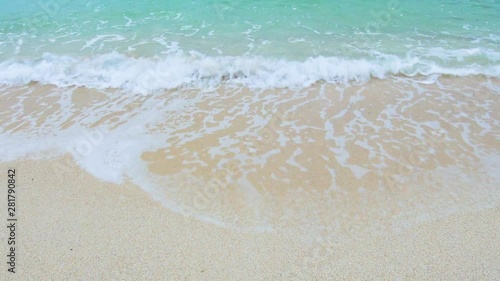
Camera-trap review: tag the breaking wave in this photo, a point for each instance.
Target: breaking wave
(146, 75)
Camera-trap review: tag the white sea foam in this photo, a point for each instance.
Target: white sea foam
(115, 154)
(144, 75)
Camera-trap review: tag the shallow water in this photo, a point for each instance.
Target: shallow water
(254, 43)
(383, 153)
(257, 114)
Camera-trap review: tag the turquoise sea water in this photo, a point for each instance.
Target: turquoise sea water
(258, 43)
(231, 110)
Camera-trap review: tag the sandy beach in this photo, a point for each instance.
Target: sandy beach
(88, 230)
(202, 193)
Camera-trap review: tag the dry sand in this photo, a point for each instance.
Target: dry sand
(74, 227)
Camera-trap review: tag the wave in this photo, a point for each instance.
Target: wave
(145, 75)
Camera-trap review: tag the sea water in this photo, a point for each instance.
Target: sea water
(321, 114)
(122, 44)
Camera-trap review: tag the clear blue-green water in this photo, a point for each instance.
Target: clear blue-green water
(273, 43)
(266, 149)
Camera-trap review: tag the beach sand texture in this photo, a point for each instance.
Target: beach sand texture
(88, 230)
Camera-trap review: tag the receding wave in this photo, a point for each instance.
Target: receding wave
(145, 75)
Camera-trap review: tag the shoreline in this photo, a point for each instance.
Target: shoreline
(90, 229)
(388, 153)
